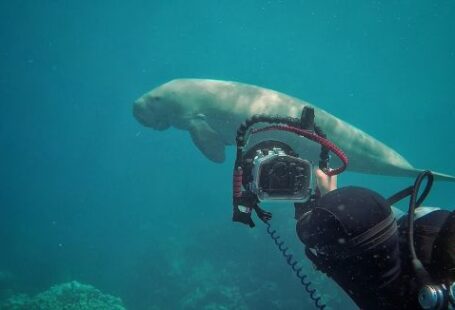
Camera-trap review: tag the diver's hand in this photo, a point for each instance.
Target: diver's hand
(242, 214)
(262, 214)
(325, 183)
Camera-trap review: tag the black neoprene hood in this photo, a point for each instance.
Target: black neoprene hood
(341, 215)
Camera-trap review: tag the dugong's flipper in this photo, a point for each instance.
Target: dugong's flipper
(208, 141)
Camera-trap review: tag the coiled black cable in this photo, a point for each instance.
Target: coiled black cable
(291, 261)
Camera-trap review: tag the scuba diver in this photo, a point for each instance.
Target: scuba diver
(351, 234)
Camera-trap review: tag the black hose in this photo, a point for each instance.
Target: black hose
(414, 203)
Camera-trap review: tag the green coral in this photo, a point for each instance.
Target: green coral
(67, 296)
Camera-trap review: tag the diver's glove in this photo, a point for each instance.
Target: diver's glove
(243, 207)
(242, 214)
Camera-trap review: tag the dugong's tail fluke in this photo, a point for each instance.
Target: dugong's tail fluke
(408, 172)
(442, 177)
(437, 176)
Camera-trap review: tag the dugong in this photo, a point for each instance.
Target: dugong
(212, 110)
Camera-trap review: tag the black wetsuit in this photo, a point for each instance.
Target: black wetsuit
(351, 235)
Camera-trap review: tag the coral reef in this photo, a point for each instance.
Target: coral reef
(209, 292)
(67, 296)
(191, 277)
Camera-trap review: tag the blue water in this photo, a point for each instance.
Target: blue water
(88, 194)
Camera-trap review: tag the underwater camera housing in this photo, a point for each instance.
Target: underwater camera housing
(271, 170)
(280, 176)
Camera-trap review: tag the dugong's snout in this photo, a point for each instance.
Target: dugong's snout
(150, 115)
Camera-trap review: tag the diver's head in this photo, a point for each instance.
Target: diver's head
(351, 235)
(347, 222)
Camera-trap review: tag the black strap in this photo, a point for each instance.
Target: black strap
(307, 118)
(375, 235)
(367, 240)
(307, 123)
(368, 236)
